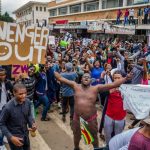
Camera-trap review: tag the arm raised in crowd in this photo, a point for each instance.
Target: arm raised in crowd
(114, 84)
(88, 63)
(63, 80)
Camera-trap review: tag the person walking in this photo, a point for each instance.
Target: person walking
(126, 15)
(131, 16)
(67, 92)
(119, 14)
(16, 130)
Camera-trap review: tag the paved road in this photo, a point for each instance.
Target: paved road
(56, 135)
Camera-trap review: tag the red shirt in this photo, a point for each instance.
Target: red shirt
(115, 106)
(109, 60)
(126, 13)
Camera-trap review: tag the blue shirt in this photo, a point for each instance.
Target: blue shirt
(96, 74)
(67, 91)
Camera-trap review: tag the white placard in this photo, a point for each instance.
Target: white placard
(52, 40)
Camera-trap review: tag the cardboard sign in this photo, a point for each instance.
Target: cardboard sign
(22, 45)
(51, 40)
(137, 99)
(19, 70)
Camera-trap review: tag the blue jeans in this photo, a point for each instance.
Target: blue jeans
(118, 20)
(125, 20)
(43, 99)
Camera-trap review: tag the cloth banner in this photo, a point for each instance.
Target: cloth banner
(136, 99)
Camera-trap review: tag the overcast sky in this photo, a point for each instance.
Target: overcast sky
(11, 5)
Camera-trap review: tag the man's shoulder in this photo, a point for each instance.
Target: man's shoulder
(10, 103)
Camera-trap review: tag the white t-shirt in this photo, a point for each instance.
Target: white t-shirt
(131, 12)
(3, 96)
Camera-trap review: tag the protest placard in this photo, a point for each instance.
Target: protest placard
(136, 99)
(22, 45)
(51, 40)
(19, 70)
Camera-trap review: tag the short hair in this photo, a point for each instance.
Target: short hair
(85, 74)
(18, 86)
(119, 72)
(68, 66)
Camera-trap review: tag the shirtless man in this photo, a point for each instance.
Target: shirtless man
(85, 98)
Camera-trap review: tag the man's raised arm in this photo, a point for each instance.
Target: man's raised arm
(63, 80)
(114, 84)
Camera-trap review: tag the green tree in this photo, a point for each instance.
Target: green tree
(6, 17)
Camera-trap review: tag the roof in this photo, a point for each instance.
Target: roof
(29, 4)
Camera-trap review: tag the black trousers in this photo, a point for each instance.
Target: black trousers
(145, 18)
(26, 145)
(65, 102)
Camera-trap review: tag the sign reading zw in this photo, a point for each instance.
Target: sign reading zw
(18, 70)
(22, 45)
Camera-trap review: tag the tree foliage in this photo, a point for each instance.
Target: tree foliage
(6, 17)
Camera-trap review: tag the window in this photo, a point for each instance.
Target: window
(45, 9)
(75, 8)
(104, 4)
(53, 12)
(114, 3)
(62, 11)
(40, 8)
(91, 6)
(130, 2)
(37, 9)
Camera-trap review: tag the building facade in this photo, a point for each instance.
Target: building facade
(32, 13)
(90, 10)
(80, 14)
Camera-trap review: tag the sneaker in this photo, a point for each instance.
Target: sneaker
(3, 147)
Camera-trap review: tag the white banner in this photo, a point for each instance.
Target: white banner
(136, 99)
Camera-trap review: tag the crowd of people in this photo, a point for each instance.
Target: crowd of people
(76, 76)
(142, 15)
